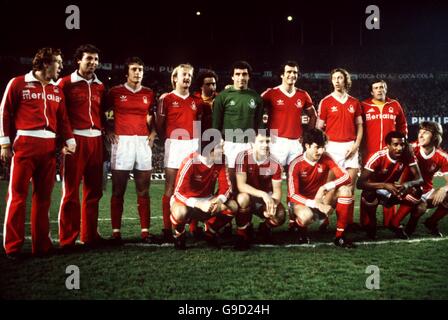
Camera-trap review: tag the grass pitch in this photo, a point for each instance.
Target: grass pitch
(408, 270)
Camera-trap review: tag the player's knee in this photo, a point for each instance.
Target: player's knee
(243, 200)
(232, 206)
(344, 191)
(303, 214)
(179, 212)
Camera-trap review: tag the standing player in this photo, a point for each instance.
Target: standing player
(311, 191)
(284, 105)
(379, 180)
(34, 105)
(206, 81)
(131, 140)
(84, 94)
(430, 159)
(381, 115)
(340, 114)
(176, 114)
(236, 110)
(259, 180)
(195, 196)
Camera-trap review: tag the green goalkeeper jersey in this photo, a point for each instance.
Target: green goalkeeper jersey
(237, 109)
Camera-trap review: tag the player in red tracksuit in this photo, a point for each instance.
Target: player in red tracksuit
(84, 98)
(131, 140)
(381, 115)
(195, 197)
(430, 159)
(340, 116)
(379, 181)
(312, 194)
(259, 181)
(34, 105)
(176, 114)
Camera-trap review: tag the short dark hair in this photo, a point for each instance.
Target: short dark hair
(395, 134)
(347, 79)
(289, 63)
(376, 81)
(314, 135)
(241, 65)
(44, 56)
(132, 60)
(435, 128)
(205, 73)
(90, 48)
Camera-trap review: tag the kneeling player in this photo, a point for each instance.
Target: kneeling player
(430, 159)
(194, 196)
(259, 181)
(312, 196)
(379, 181)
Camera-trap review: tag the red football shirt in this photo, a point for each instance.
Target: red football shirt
(340, 117)
(429, 165)
(197, 180)
(259, 174)
(285, 110)
(130, 109)
(180, 113)
(306, 177)
(387, 169)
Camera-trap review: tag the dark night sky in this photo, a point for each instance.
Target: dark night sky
(169, 31)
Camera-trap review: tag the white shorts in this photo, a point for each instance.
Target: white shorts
(173, 199)
(177, 150)
(131, 152)
(231, 150)
(285, 150)
(427, 195)
(337, 151)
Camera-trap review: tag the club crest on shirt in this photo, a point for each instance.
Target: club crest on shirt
(391, 110)
(433, 168)
(123, 98)
(252, 104)
(56, 89)
(232, 103)
(298, 103)
(334, 109)
(145, 100)
(351, 109)
(193, 106)
(319, 168)
(175, 104)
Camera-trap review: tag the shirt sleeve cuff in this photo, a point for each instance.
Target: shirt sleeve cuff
(191, 202)
(310, 203)
(5, 140)
(330, 186)
(223, 198)
(71, 141)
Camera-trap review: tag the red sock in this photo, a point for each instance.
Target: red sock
(179, 227)
(219, 220)
(143, 206)
(402, 212)
(243, 219)
(116, 211)
(351, 212)
(166, 212)
(440, 212)
(343, 212)
(363, 213)
(193, 225)
(388, 214)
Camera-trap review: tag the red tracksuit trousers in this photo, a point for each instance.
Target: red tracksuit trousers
(86, 165)
(34, 159)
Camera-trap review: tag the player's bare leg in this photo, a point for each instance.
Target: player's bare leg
(170, 178)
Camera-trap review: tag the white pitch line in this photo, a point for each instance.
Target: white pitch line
(292, 245)
(106, 219)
